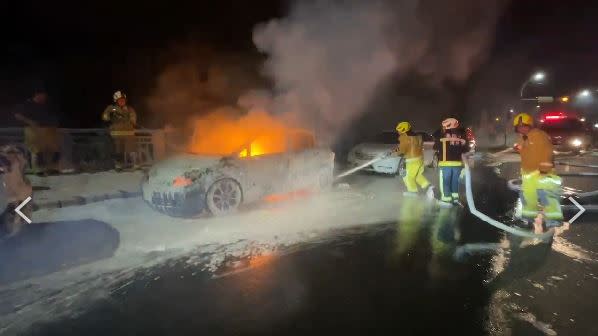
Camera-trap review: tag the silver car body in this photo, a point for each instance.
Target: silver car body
(257, 176)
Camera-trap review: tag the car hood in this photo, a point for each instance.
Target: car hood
(184, 162)
(374, 148)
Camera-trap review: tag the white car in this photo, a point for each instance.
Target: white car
(191, 184)
(383, 143)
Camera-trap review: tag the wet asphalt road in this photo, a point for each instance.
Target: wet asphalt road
(374, 280)
(434, 270)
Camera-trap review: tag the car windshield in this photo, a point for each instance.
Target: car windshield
(563, 125)
(387, 138)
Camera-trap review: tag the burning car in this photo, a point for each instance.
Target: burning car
(205, 182)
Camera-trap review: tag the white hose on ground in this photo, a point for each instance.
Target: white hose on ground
(488, 219)
(362, 166)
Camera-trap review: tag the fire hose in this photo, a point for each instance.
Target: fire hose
(362, 166)
(474, 211)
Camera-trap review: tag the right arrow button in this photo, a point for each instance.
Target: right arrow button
(581, 210)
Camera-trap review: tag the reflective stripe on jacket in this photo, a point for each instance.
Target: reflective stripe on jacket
(451, 145)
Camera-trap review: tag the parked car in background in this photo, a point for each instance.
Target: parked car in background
(382, 143)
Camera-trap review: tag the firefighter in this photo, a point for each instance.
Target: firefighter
(450, 145)
(42, 136)
(540, 186)
(123, 120)
(411, 147)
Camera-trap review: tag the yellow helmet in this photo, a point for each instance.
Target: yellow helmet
(403, 127)
(523, 119)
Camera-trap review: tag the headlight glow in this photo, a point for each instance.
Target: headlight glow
(181, 181)
(576, 142)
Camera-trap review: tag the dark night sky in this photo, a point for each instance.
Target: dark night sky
(86, 50)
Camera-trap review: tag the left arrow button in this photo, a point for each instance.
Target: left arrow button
(18, 210)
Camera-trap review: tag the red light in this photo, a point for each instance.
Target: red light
(555, 116)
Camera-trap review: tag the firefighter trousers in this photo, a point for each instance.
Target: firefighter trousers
(415, 175)
(541, 192)
(449, 182)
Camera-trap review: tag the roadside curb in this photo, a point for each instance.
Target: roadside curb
(81, 200)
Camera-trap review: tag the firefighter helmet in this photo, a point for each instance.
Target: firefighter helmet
(523, 119)
(403, 127)
(118, 95)
(450, 123)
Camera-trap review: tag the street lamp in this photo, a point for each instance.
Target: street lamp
(538, 77)
(584, 93)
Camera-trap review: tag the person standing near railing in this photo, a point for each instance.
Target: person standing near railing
(123, 121)
(42, 136)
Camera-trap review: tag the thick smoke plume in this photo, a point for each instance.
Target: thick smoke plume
(198, 80)
(328, 58)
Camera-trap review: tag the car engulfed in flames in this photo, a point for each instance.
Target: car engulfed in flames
(213, 178)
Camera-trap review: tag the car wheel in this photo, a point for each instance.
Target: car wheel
(224, 196)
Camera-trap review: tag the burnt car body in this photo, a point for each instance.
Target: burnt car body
(188, 185)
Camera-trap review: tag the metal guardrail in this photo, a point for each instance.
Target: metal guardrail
(92, 148)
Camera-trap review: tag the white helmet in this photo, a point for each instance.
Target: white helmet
(450, 123)
(118, 95)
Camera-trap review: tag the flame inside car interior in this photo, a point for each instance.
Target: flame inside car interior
(254, 134)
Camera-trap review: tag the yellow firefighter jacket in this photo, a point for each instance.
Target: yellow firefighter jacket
(535, 149)
(122, 119)
(411, 146)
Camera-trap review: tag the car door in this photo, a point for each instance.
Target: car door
(264, 175)
(310, 167)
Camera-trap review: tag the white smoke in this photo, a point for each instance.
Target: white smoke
(328, 58)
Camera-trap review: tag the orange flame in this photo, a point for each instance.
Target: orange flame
(254, 134)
